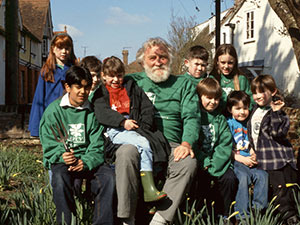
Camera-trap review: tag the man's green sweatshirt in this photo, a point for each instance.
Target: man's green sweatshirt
(215, 141)
(84, 133)
(177, 108)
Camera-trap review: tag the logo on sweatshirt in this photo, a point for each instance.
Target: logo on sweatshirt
(151, 97)
(227, 90)
(209, 134)
(76, 133)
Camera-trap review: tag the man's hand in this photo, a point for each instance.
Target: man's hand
(69, 157)
(183, 151)
(78, 167)
(129, 124)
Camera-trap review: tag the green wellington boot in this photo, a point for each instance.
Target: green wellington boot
(151, 194)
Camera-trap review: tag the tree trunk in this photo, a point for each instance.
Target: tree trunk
(289, 13)
(11, 52)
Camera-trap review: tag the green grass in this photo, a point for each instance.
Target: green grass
(26, 198)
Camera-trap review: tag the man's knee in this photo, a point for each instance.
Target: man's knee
(188, 165)
(127, 153)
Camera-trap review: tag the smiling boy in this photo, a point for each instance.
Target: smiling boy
(85, 158)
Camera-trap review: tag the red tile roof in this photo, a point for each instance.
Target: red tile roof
(34, 15)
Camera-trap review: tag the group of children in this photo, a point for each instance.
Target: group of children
(242, 139)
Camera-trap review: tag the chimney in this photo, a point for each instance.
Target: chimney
(125, 57)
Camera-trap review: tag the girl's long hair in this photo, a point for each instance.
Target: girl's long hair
(60, 41)
(230, 50)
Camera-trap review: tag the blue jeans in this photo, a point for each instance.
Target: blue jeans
(102, 187)
(247, 176)
(123, 136)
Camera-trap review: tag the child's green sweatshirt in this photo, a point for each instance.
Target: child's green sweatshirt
(215, 141)
(84, 133)
(227, 86)
(194, 80)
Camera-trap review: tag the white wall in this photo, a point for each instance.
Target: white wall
(269, 45)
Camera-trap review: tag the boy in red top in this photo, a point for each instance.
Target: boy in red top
(126, 110)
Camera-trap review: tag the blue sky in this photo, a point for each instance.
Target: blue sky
(105, 27)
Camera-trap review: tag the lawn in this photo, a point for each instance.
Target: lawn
(25, 195)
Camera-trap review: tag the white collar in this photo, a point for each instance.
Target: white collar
(65, 101)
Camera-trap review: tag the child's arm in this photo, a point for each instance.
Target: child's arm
(129, 124)
(52, 150)
(222, 150)
(248, 161)
(94, 154)
(279, 123)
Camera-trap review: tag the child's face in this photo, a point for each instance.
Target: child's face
(208, 103)
(114, 80)
(240, 112)
(196, 67)
(96, 79)
(78, 94)
(62, 55)
(263, 98)
(226, 64)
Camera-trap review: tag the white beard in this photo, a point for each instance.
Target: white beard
(158, 74)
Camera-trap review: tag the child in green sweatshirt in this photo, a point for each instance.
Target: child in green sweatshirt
(82, 156)
(214, 153)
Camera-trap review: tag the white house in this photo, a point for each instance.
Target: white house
(263, 45)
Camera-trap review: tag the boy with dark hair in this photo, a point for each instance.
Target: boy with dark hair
(215, 143)
(196, 61)
(94, 65)
(245, 164)
(81, 155)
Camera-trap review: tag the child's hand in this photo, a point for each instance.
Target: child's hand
(69, 157)
(130, 124)
(277, 105)
(253, 154)
(78, 167)
(248, 161)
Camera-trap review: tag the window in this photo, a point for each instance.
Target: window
(33, 49)
(45, 47)
(250, 26)
(23, 43)
(224, 38)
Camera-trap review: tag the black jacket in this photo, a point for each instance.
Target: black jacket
(141, 110)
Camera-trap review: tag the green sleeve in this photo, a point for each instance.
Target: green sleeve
(94, 154)
(245, 86)
(190, 114)
(221, 157)
(52, 150)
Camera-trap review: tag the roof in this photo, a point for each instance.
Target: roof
(34, 16)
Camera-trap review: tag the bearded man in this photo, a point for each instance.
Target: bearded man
(177, 117)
